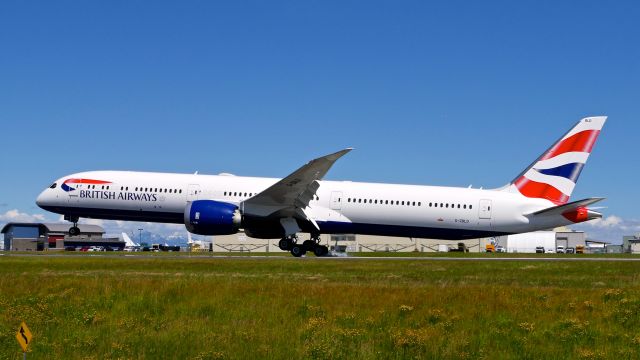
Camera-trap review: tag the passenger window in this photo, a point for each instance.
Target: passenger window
(419, 204)
(414, 203)
(470, 207)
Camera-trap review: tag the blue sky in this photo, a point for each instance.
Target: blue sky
(440, 93)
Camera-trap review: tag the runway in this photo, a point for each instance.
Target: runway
(335, 258)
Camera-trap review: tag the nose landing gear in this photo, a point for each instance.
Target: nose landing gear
(74, 230)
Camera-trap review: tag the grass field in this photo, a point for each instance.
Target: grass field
(81, 307)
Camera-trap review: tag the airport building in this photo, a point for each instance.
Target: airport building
(48, 236)
(631, 244)
(519, 243)
(341, 243)
(545, 241)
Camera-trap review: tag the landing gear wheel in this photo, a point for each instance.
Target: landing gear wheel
(309, 245)
(298, 250)
(285, 244)
(74, 231)
(321, 250)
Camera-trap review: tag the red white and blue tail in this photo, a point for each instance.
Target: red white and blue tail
(555, 173)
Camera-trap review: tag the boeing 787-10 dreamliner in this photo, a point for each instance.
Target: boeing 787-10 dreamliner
(302, 202)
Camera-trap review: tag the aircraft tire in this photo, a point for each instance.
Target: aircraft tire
(297, 250)
(309, 245)
(285, 244)
(320, 250)
(74, 231)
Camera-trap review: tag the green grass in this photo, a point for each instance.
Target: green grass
(81, 307)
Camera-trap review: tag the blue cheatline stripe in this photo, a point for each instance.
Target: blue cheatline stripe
(568, 171)
(326, 227)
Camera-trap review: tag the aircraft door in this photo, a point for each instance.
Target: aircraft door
(336, 200)
(74, 195)
(484, 209)
(193, 192)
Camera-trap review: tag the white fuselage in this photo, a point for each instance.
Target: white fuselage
(339, 206)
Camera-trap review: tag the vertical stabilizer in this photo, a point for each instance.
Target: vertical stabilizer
(127, 240)
(554, 174)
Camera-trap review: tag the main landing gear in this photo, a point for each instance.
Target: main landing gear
(290, 244)
(74, 230)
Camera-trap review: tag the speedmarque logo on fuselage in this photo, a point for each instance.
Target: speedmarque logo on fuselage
(69, 185)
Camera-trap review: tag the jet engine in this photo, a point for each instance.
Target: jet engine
(209, 217)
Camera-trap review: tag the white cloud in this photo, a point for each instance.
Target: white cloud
(609, 221)
(16, 216)
(611, 229)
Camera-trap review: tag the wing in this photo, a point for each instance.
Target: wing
(291, 195)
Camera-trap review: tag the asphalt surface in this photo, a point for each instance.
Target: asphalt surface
(330, 258)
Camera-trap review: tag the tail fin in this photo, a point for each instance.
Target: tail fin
(555, 173)
(127, 240)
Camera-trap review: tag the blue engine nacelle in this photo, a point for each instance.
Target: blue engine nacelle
(209, 217)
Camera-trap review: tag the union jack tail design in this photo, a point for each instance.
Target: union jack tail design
(555, 173)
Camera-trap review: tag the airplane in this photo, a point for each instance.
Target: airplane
(302, 202)
(129, 245)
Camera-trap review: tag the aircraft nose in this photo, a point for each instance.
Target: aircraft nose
(41, 200)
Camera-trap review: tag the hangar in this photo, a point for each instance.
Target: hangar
(521, 243)
(344, 243)
(46, 236)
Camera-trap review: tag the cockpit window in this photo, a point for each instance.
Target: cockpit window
(53, 186)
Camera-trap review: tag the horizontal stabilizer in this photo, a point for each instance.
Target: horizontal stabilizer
(572, 206)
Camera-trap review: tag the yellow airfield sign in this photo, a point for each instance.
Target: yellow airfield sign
(24, 336)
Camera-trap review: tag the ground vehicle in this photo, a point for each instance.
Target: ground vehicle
(549, 251)
(570, 250)
(539, 250)
(500, 249)
(560, 249)
(490, 248)
(579, 249)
